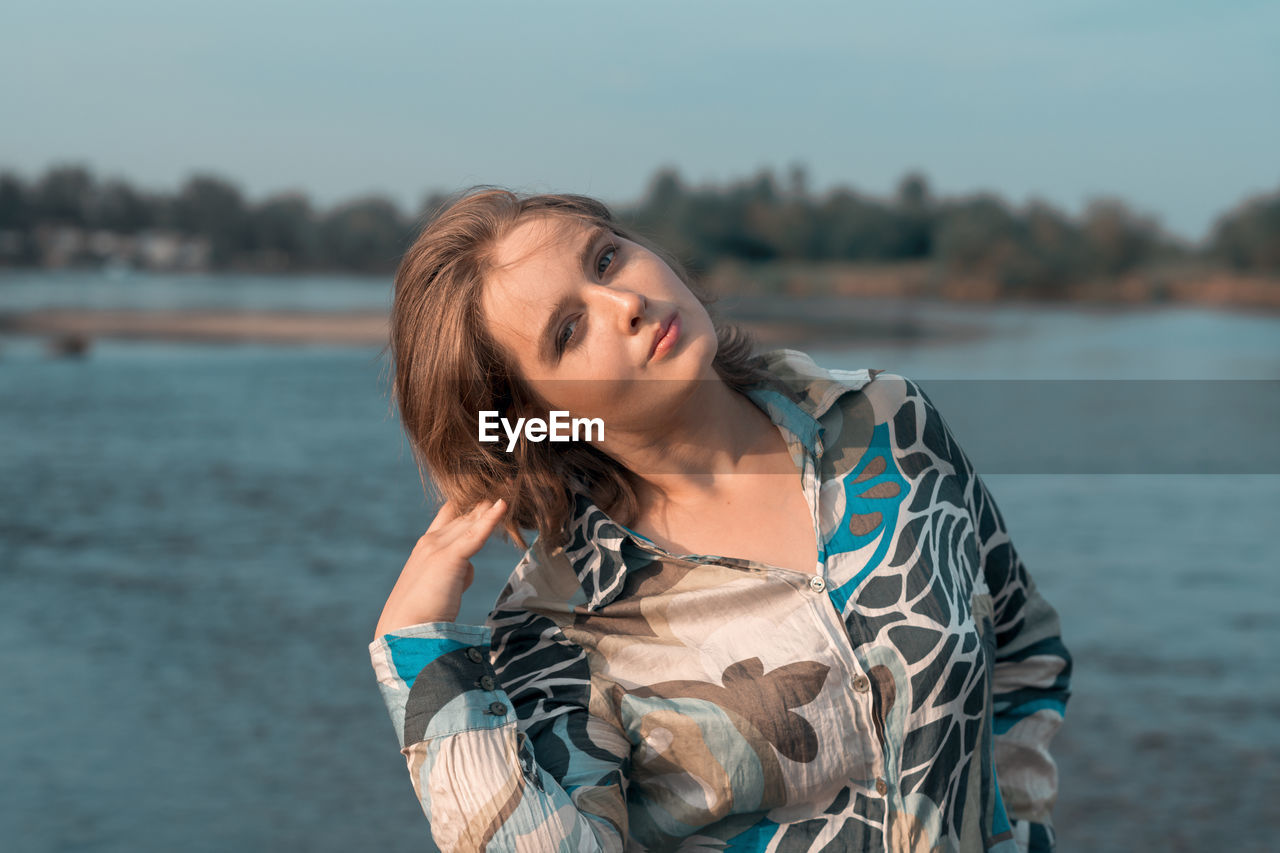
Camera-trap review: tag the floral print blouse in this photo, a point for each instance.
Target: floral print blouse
(902, 697)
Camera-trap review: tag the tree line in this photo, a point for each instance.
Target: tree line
(1036, 248)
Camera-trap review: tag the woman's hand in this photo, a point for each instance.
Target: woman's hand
(439, 569)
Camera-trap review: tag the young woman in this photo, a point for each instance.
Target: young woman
(772, 607)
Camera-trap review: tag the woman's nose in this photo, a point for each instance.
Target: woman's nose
(628, 305)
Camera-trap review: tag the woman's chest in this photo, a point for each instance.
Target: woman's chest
(735, 689)
(727, 680)
(767, 520)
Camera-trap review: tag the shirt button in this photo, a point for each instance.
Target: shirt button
(475, 654)
(861, 684)
(881, 787)
(486, 682)
(817, 584)
(498, 709)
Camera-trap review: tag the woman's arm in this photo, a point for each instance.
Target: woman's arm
(1032, 678)
(455, 707)
(474, 769)
(1032, 673)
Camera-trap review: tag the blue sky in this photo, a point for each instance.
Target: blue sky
(1169, 105)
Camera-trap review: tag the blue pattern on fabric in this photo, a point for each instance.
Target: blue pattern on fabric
(413, 654)
(793, 418)
(1007, 719)
(844, 539)
(1000, 820)
(754, 838)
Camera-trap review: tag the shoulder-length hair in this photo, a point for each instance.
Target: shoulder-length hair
(447, 368)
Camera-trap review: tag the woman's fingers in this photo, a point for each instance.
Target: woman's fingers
(439, 569)
(448, 521)
(467, 537)
(447, 513)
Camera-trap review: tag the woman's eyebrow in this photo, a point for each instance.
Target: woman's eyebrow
(546, 339)
(584, 254)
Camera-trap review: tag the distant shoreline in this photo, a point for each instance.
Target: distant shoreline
(796, 320)
(772, 321)
(353, 328)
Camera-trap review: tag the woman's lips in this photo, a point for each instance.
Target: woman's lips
(666, 337)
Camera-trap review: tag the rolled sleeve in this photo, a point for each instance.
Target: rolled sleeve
(437, 679)
(1032, 672)
(472, 766)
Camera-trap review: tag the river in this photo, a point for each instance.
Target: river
(195, 542)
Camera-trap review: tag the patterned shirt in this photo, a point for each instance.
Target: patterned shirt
(620, 697)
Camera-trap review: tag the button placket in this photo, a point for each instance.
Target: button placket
(813, 478)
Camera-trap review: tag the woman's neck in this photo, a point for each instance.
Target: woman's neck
(716, 436)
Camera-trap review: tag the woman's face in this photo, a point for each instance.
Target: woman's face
(599, 326)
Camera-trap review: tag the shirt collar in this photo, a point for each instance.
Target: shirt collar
(800, 392)
(796, 395)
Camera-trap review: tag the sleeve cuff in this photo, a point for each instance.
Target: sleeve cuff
(1034, 837)
(443, 633)
(437, 679)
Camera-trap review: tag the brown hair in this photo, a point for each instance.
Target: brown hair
(447, 368)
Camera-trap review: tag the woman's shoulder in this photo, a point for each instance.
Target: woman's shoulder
(540, 573)
(891, 390)
(542, 584)
(536, 604)
(914, 425)
(818, 386)
(796, 367)
(796, 376)
(868, 395)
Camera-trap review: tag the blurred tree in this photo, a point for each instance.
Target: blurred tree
(365, 234)
(15, 208)
(913, 193)
(284, 227)
(856, 228)
(665, 191)
(1036, 251)
(980, 236)
(17, 246)
(747, 224)
(763, 188)
(1248, 236)
(118, 207)
(62, 196)
(1056, 243)
(915, 217)
(211, 206)
(1116, 240)
(969, 229)
(792, 229)
(664, 215)
(1050, 229)
(798, 182)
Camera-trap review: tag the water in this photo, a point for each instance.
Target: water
(30, 290)
(195, 543)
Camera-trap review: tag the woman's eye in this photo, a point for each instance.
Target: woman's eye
(566, 334)
(608, 254)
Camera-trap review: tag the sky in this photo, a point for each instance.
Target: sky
(1169, 105)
